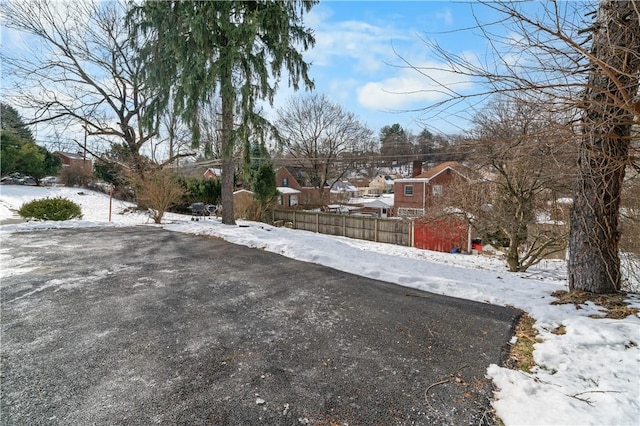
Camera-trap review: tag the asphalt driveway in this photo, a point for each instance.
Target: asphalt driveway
(145, 326)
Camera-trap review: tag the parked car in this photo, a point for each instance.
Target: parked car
(49, 180)
(27, 180)
(18, 179)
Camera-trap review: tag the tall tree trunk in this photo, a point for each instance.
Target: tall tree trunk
(608, 105)
(228, 169)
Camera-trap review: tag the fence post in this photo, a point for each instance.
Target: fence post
(375, 230)
(344, 225)
(318, 223)
(411, 233)
(295, 226)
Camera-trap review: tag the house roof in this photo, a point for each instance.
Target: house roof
(72, 155)
(215, 171)
(435, 171)
(463, 171)
(377, 204)
(285, 190)
(360, 182)
(300, 175)
(343, 187)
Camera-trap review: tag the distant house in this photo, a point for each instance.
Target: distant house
(381, 184)
(288, 197)
(289, 189)
(378, 207)
(342, 191)
(75, 160)
(296, 178)
(362, 184)
(212, 173)
(413, 196)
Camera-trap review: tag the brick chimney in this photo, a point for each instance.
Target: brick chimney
(417, 168)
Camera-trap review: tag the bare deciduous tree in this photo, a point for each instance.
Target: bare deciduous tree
(590, 69)
(610, 106)
(521, 147)
(79, 70)
(319, 134)
(630, 230)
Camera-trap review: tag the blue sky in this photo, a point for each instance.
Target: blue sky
(360, 48)
(357, 60)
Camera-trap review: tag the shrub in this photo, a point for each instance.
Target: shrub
(76, 175)
(200, 190)
(50, 209)
(158, 192)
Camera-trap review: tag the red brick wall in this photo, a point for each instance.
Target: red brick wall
(443, 179)
(408, 201)
(284, 174)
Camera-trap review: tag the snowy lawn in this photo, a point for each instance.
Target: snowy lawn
(588, 375)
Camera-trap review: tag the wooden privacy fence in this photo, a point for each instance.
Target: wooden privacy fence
(391, 231)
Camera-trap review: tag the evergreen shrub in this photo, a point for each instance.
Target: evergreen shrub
(50, 209)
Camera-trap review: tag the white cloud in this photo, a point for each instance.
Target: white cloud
(359, 41)
(317, 16)
(411, 87)
(445, 16)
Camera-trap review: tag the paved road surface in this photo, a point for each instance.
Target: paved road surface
(144, 326)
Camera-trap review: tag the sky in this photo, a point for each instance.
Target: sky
(374, 59)
(365, 51)
(362, 59)
(589, 375)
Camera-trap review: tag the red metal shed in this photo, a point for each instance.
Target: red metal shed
(441, 234)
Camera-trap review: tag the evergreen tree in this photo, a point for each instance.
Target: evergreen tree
(395, 147)
(264, 186)
(24, 156)
(11, 122)
(10, 145)
(193, 51)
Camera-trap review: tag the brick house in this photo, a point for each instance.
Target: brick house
(212, 173)
(295, 189)
(415, 195)
(75, 160)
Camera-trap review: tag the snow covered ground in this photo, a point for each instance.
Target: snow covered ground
(589, 375)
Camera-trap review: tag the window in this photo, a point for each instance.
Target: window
(408, 190)
(285, 182)
(293, 200)
(436, 190)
